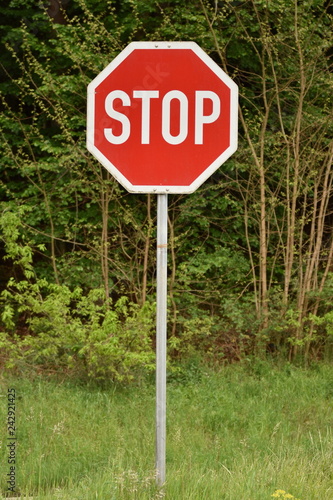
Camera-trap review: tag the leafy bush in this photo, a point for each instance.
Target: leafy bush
(75, 331)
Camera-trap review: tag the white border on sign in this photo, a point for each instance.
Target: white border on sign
(211, 168)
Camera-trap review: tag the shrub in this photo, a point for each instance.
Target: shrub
(86, 333)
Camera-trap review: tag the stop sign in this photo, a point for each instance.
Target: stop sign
(162, 117)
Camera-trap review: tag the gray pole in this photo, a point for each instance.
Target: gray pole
(161, 334)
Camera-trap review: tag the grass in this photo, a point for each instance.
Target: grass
(240, 434)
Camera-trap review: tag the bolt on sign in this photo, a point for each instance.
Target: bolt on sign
(162, 117)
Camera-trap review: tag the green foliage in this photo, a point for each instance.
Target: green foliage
(18, 251)
(65, 223)
(72, 331)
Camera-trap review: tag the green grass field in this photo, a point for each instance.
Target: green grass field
(240, 434)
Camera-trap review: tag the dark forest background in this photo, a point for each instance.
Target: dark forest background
(250, 252)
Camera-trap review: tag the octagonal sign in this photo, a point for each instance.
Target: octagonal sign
(162, 117)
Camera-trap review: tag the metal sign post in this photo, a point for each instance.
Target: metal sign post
(161, 334)
(157, 107)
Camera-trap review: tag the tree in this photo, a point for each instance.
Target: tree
(255, 241)
(279, 52)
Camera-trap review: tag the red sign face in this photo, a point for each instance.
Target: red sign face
(162, 117)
